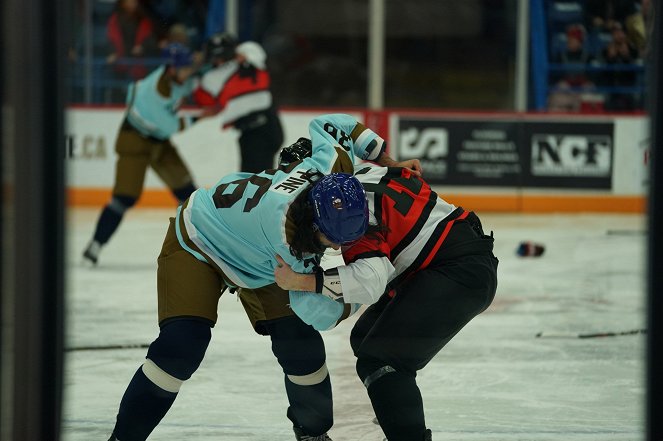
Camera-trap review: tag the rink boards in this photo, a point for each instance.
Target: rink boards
(508, 162)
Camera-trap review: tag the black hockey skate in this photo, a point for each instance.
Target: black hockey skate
(301, 436)
(428, 435)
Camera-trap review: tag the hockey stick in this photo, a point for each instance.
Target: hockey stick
(589, 335)
(626, 232)
(107, 347)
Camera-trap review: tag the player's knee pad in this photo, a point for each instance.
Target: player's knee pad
(311, 379)
(176, 354)
(120, 204)
(183, 193)
(372, 369)
(300, 351)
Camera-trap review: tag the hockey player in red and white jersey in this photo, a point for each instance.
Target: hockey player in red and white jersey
(238, 86)
(426, 268)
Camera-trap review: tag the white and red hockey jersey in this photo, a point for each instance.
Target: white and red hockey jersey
(238, 88)
(414, 224)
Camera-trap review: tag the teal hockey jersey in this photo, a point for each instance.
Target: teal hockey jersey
(241, 223)
(151, 113)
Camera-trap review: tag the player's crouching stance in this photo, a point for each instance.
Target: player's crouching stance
(426, 268)
(332, 213)
(227, 236)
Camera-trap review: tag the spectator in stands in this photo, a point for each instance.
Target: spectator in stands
(619, 52)
(572, 85)
(648, 15)
(575, 51)
(605, 15)
(131, 38)
(191, 14)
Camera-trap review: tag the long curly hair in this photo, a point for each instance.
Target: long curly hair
(305, 240)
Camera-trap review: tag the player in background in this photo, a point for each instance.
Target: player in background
(228, 236)
(426, 268)
(144, 141)
(238, 86)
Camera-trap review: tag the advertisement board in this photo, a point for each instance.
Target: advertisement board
(510, 152)
(463, 152)
(496, 162)
(563, 155)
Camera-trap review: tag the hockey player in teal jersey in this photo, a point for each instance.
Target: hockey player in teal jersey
(228, 236)
(144, 141)
(249, 212)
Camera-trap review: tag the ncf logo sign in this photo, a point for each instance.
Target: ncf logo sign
(571, 155)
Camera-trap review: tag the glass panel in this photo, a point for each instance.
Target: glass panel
(450, 54)
(316, 49)
(118, 41)
(439, 53)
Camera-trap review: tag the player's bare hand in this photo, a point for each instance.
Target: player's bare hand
(414, 165)
(283, 274)
(209, 111)
(290, 280)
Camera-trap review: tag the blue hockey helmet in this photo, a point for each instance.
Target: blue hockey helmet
(340, 209)
(177, 55)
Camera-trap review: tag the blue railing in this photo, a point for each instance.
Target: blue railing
(539, 48)
(96, 81)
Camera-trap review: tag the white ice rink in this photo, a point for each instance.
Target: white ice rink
(495, 381)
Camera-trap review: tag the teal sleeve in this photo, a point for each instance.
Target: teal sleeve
(316, 310)
(356, 139)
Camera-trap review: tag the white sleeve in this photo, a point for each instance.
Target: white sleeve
(365, 280)
(254, 54)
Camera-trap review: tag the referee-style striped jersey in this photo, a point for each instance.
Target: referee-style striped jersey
(243, 222)
(414, 217)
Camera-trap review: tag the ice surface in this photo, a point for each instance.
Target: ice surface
(494, 381)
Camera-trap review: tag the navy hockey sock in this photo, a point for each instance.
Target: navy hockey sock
(310, 406)
(300, 351)
(107, 224)
(183, 193)
(171, 359)
(397, 403)
(111, 216)
(143, 405)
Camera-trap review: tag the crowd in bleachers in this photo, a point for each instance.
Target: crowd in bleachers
(598, 49)
(125, 38)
